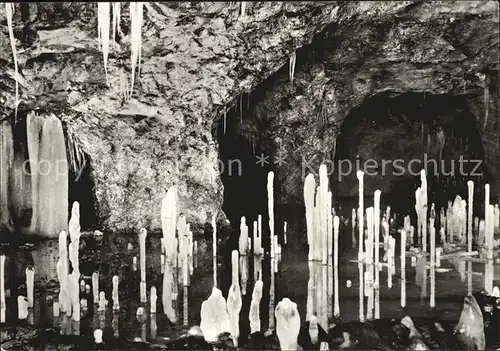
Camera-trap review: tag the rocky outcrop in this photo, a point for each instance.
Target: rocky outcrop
(198, 58)
(446, 51)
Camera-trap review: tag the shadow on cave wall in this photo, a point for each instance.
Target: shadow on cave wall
(391, 137)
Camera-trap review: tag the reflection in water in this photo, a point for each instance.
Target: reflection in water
(116, 324)
(110, 257)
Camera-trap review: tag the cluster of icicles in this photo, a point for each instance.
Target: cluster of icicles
(103, 20)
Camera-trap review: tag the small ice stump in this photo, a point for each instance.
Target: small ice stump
(313, 329)
(496, 292)
(98, 336)
(287, 324)
(214, 316)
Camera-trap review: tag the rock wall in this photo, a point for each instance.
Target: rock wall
(198, 58)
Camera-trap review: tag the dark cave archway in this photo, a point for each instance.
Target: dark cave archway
(244, 179)
(410, 127)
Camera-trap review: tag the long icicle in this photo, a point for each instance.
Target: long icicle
(103, 31)
(116, 6)
(9, 12)
(291, 68)
(136, 12)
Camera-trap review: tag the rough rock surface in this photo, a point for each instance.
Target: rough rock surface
(445, 50)
(198, 58)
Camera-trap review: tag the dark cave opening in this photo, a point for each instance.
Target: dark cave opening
(244, 179)
(81, 189)
(437, 131)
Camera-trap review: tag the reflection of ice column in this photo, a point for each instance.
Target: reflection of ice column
(234, 302)
(2, 289)
(403, 268)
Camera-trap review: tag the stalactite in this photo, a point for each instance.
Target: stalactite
(9, 12)
(34, 126)
(243, 6)
(6, 160)
(136, 14)
(117, 7)
(291, 68)
(486, 100)
(53, 180)
(103, 31)
(76, 156)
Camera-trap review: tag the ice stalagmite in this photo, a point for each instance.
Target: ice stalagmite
(287, 324)
(214, 316)
(53, 180)
(34, 127)
(20, 192)
(6, 160)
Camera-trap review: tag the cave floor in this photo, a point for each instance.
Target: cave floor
(111, 256)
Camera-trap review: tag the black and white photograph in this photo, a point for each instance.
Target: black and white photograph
(250, 175)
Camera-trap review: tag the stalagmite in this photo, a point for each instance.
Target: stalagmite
(254, 313)
(243, 249)
(330, 243)
(55, 309)
(134, 263)
(270, 208)
(143, 292)
(234, 301)
(313, 330)
(6, 162)
(153, 298)
(336, 308)
(62, 272)
(2, 289)
(214, 248)
(102, 302)
(432, 233)
(376, 238)
(287, 324)
(30, 280)
(53, 180)
(403, 269)
(284, 233)
(424, 210)
(309, 189)
(361, 227)
(369, 265)
(95, 286)
(116, 302)
(214, 316)
(169, 299)
(142, 252)
(22, 307)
